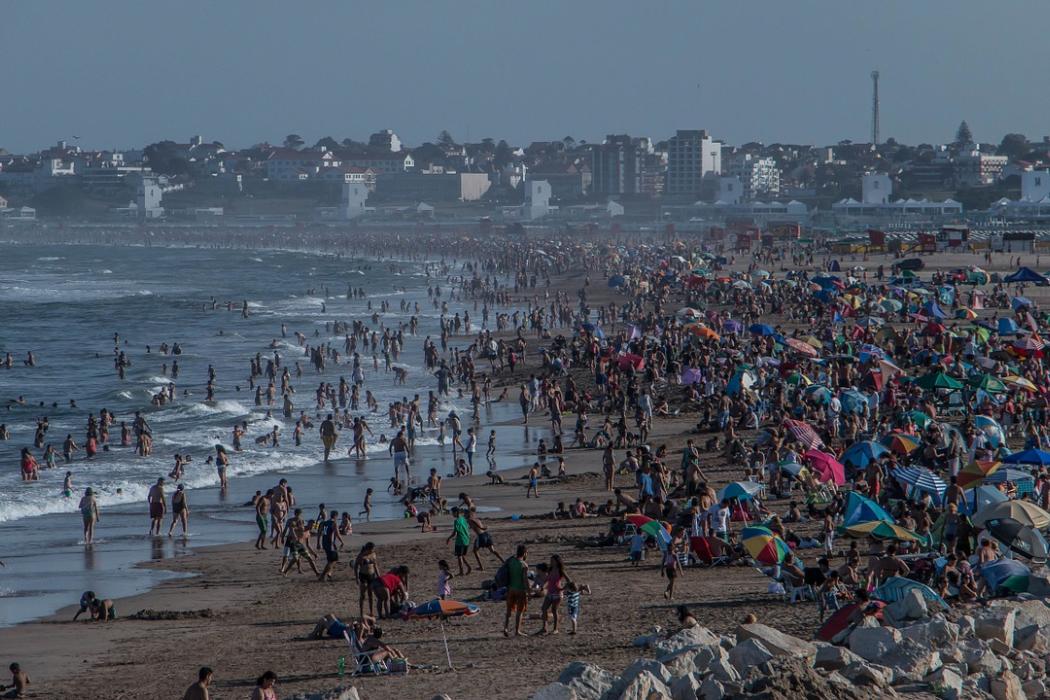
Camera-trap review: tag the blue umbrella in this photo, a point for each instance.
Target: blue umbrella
(861, 454)
(818, 393)
(1006, 326)
(896, 587)
(617, 281)
(741, 490)
(1017, 302)
(853, 401)
(922, 480)
(1007, 474)
(981, 498)
(1040, 457)
(761, 329)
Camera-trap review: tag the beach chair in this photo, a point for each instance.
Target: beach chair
(363, 663)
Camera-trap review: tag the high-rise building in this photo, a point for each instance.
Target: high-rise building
(616, 166)
(692, 155)
(759, 177)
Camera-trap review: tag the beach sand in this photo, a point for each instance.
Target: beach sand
(256, 620)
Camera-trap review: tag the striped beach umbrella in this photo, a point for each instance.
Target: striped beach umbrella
(763, 545)
(901, 443)
(973, 474)
(882, 530)
(801, 347)
(804, 433)
(922, 480)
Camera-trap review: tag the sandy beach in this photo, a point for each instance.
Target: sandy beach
(236, 614)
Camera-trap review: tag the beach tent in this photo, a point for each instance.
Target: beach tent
(1005, 575)
(938, 380)
(1026, 275)
(933, 310)
(742, 380)
(896, 587)
(861, 509)
(740, 490)
(980, 498)
(860, 454)
(1040, 457)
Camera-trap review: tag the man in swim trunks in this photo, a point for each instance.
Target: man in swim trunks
(327, 539)
(483, 539)
(461, 532)
(157, 506)
(399, 449)
(328, 435)
(262, 512)
(517, 590)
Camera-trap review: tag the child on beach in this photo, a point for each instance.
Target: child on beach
(445, 576)
(637, 548)
(367, 512)
(534, 477)
(572, 602)
(490, 453)
(346, 525)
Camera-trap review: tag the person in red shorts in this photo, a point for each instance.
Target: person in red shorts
(517, 590)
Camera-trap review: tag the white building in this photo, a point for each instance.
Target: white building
(1035, 185)
(730, 190)
(759, 177)
(876, 188)
(385, 140)
(355, 194)
(691, 156)
(973, 168)
(148, 196)
(537, 201)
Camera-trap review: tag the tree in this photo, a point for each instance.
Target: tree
(963, 135)
(164, 159)
(1013, 145)
(293, 141)
(569, 142)
(327, 143)
(503, 155)
(445, 139)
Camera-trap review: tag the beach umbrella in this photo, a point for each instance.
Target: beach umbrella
(814, 341)
(689, 312)
(732, 326)
(801, 347)
(797, 378)
(1005, 575)
(803, 433)
(860, 454)
(1004, 474)
(1033, 456)
(980, 498)
(818, 393)
(853, 401)
(1020, 302)
(637, 519)
(870, 322)
(965, 313)
(991, 429)
(901, 444)
(1028, 346)
(973, 474)
(921, 479)
(938, 380)
(826, 466)
(1024, 512)
(654, 528)
(617, 281)
(741, 490)
(838, 625)
(702, 331)
(861, 509)
(763, 545)
(691, 375)
(1020, 383)
(742, 380)
(761, 329)
(1021, 539)
(442, 610)
(881, 530)
(741, 284)
(988, 382)
(896, 587)
(891, 305)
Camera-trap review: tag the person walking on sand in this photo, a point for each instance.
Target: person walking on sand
(517, 590)
(89, 512)
(180, 510)
(534, 480)
(329, 540)
(483, 538)
(157, 506)
(461, 533)
(556, 582)
(199, 690)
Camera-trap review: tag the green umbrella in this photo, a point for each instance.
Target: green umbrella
(988, 382)
(938, 380)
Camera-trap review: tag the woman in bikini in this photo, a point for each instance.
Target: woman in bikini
(366, 568)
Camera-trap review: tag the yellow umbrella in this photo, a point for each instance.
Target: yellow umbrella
(1020, 382)
(814, 341)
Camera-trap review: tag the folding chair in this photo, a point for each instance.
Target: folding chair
(363, 663)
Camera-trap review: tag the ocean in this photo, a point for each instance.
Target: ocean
(65, 303)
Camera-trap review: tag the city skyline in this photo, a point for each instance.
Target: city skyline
(136, 74)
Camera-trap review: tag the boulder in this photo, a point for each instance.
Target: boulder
(685, 687)
(911, 661)
(966, 625)
(776, 642)
(711, 689)
(1006, 686)
(336, 694)
(1031, 638)
(1029, 612)
(938, 632)
(723, 671)
(645, 686)
(705, 656)
(911, 607)
(681, 662)
(554, 691)
(689, 637)
(978, 657)
(590, 682)
(872, 643)
(641, 666)
(1039, 583)
(1035, 688)
(996, 623)
(863, 673)
(945, 683)
(833, 658)
(747, 654)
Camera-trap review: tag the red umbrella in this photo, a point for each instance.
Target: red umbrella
(934, 328)
(630, 360)
(801, 347)
(442, 610)
(826, 466)
(804, 433)
(842, 618)
(638, 520)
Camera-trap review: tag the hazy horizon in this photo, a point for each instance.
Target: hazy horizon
(124, 74)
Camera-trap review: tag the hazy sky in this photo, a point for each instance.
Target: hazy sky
(120, 74)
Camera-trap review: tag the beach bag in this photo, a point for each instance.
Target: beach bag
(776, 588)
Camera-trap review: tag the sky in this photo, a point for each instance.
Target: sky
(120, 74)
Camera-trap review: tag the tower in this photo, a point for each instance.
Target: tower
(874, 108)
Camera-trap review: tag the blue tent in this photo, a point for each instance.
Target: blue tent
(861, 509)
(761, 329)
(896, 587)
(931, 308)
(1040, 457)
(742, 379)
(1026, 275)
(1018, 302)
(617, 281)
(1006, 326)
(861, 454)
